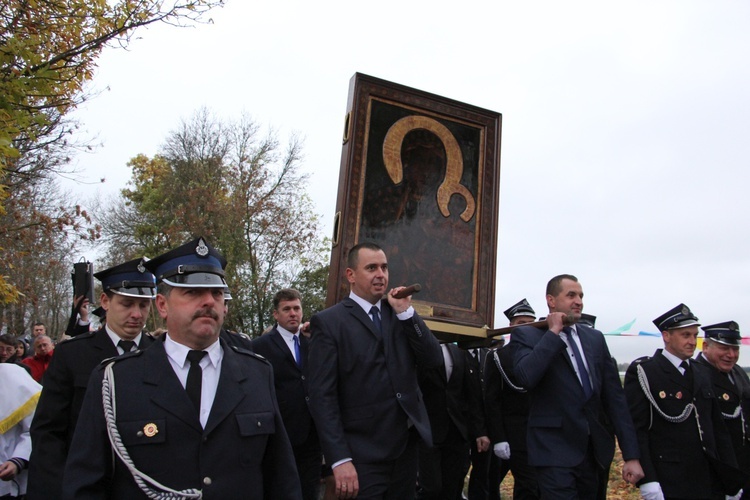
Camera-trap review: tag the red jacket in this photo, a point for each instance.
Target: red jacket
(38, 365)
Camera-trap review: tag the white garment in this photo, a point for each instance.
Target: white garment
(16, 412)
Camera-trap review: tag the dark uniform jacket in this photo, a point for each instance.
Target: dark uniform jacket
(453, 402)
(243, 452)
(734, 401)
(507, 405)
(678, 455)
(363, 383)
(59, 405)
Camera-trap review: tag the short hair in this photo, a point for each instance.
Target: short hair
(164, 289)
(42, 337)
(39, 323)
(285, 294)
(8, 339)
(554, 286)
(352, 257)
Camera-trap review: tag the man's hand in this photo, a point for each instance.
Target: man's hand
(555, 322)
(8, 470)
(483, 444)
(82, 304)
(632, 471)
(347, 483)
(502, 450)
(398, 305)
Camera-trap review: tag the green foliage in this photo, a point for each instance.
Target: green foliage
(48, 52)
(226, 181)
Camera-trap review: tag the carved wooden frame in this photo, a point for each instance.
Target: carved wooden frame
(380, 117)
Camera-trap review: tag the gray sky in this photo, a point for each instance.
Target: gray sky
(625, 146)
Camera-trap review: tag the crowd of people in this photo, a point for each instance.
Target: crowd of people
(361, 402)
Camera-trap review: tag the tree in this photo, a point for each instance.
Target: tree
(37, 258)
(227, 181)
(48, 52)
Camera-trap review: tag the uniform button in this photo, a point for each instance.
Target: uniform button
(398, 395)
(207, 481)
(139, 434)
(258, 423)
(307, 398)
(205, 439)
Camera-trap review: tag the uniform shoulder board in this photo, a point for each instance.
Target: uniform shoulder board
(642, 359)
(243, 335)
(117, 359)
(82, 336)
(246, 352)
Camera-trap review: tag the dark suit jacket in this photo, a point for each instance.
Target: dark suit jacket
(561, 421)
(363, 383)
(243, 451)
(59, 405)
(454, 401)
(291, 385)
(674, 454)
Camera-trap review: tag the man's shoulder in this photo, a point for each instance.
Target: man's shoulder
(336, 311)
(248, 355)
(79, 340)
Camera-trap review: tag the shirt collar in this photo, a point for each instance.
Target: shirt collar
(363, 303)
(672, 358)
(178, 352)
(286, 334)
(116, 338)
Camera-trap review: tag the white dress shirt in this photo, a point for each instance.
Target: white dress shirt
(210, 364)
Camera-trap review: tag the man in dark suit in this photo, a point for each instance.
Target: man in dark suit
(127, 292)
(286, 349)
(484, 481)
(190, 416)
(451, 393)
(572, 384)
(685, 447)
(721, 351)
(364, 395)
(508, 412)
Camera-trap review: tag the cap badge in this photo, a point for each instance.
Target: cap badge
(150, 430)
(662, 394)
(201, 249)
(725, 396)
(141, 268)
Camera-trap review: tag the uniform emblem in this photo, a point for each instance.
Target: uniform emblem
(725, 396)
(662, 394)
(678, 395)
(141, 268)
(201, 249)
(150, 430)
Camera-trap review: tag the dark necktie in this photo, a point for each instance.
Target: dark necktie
(585, 382)
(297, 354)
(195, 378)
(376, 318)
(688, 371)
(126, 345)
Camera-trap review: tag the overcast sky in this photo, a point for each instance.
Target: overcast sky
(625, 148)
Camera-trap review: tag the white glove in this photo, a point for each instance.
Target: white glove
(651, 491)
(735, 497)
(502, 450)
